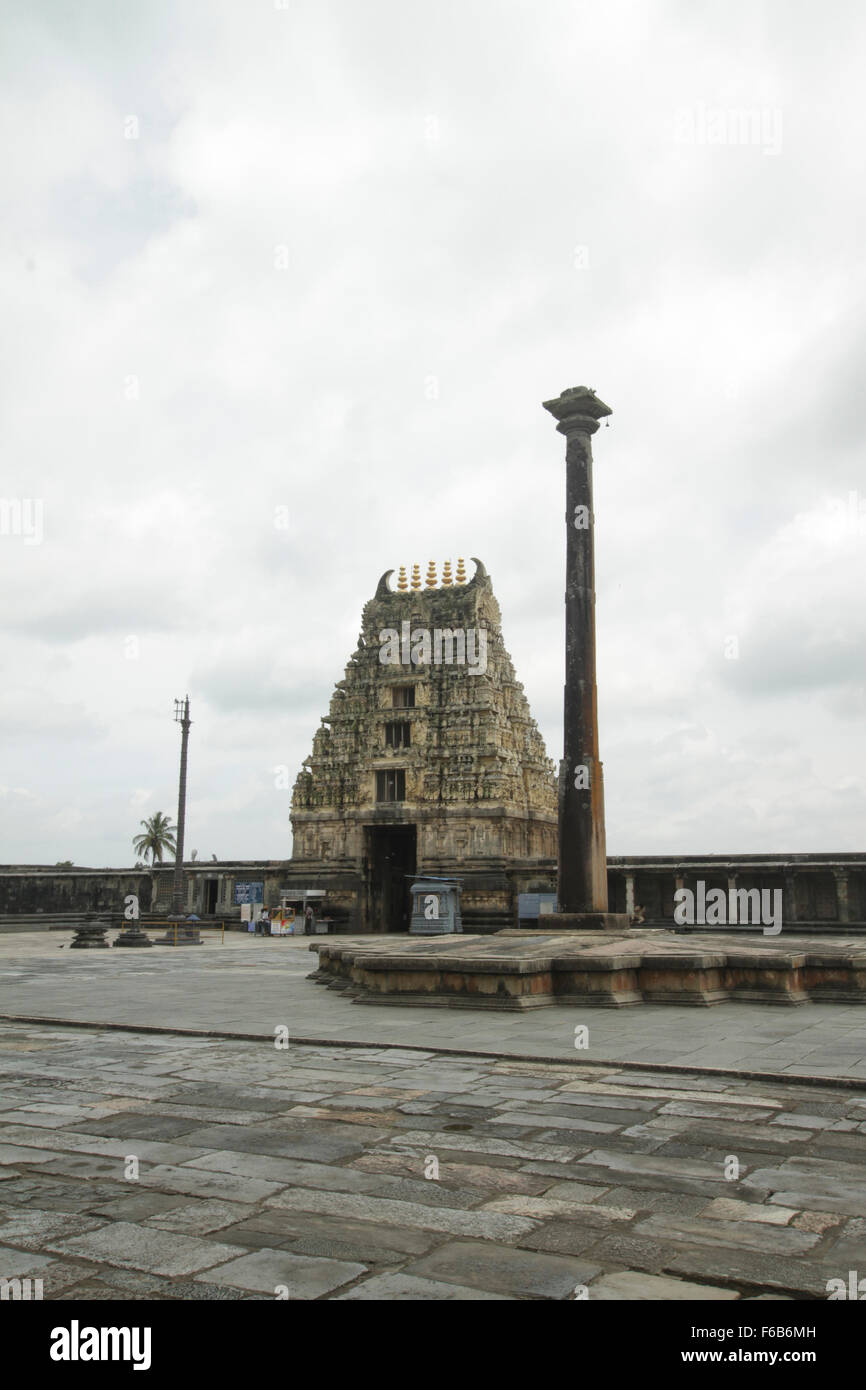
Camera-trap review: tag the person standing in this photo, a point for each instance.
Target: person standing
(309, 918)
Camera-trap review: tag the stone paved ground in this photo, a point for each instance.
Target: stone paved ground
(311, 1169)
(251, 985)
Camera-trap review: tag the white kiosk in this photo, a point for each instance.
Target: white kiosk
(293, 909)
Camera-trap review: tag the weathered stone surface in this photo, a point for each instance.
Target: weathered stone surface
(348, 1117)
(635, 1287)
(581, 1193)
(748, 1235)
(760, 1139)
(406, 1287)
(676, 1216)
(849, 1249)
(332, 1237)
(534, 1120)
(265, 1271)
(17, 1153)
(624, 1250)
(647, 1166)
(199, 1183)
(135, 1126)
(818, 1221)
(791, 1274)
(814, 1185)
(461, 1175)
(437, 1141)
(584, 1094)
(32, 1229)
(56, 1117)
(282, 1171)
(331, 1178)
(78, 1165)
(542, 1208)
(139, 1205)
(67, 1141)
(137, 1247)
(728, 1209)
(489, 1225)
(322, 1143)
(797, 1121)
(823, 1199)
(719, 1111)
(200, 1218)
(17, 1264)
(501, 1269)
(188, 1291)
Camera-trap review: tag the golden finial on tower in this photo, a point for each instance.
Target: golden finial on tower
(402, 582)
(416, 576)
(461, 572)
(447, 581)
(431, 575)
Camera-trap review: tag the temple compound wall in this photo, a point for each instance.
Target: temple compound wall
(820, 892)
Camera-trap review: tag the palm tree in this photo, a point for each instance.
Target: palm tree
(158, 835)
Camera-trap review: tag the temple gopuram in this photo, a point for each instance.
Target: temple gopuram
(428, 763)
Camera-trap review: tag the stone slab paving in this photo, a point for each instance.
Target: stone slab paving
(252, 986)
(414, 1175)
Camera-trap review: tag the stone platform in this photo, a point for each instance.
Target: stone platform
(526, 970)
(587, 921)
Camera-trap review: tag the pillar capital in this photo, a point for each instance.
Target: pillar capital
(577, 411)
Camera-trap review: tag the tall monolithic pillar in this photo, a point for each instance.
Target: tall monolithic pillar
(582, 852)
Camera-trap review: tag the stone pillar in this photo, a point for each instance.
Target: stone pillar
(842, 913)
(177, 891)
(629, 894)
(582, 881)
(791, 914)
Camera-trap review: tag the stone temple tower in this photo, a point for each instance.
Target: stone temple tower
(428, 762)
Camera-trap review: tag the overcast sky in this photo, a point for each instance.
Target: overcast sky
(284, 286)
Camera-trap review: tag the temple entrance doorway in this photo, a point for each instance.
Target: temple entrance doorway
(391, 857)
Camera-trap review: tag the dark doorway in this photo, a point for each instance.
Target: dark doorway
(391, 859)
(210, 895)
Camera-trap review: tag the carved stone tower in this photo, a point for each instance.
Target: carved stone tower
(428, 762)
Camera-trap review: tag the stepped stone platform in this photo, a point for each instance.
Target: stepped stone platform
(530, 969)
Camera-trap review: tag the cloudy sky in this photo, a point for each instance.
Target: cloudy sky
(284, 286)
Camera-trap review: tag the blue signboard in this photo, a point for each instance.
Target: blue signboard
(529, 905)
(249, 893)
